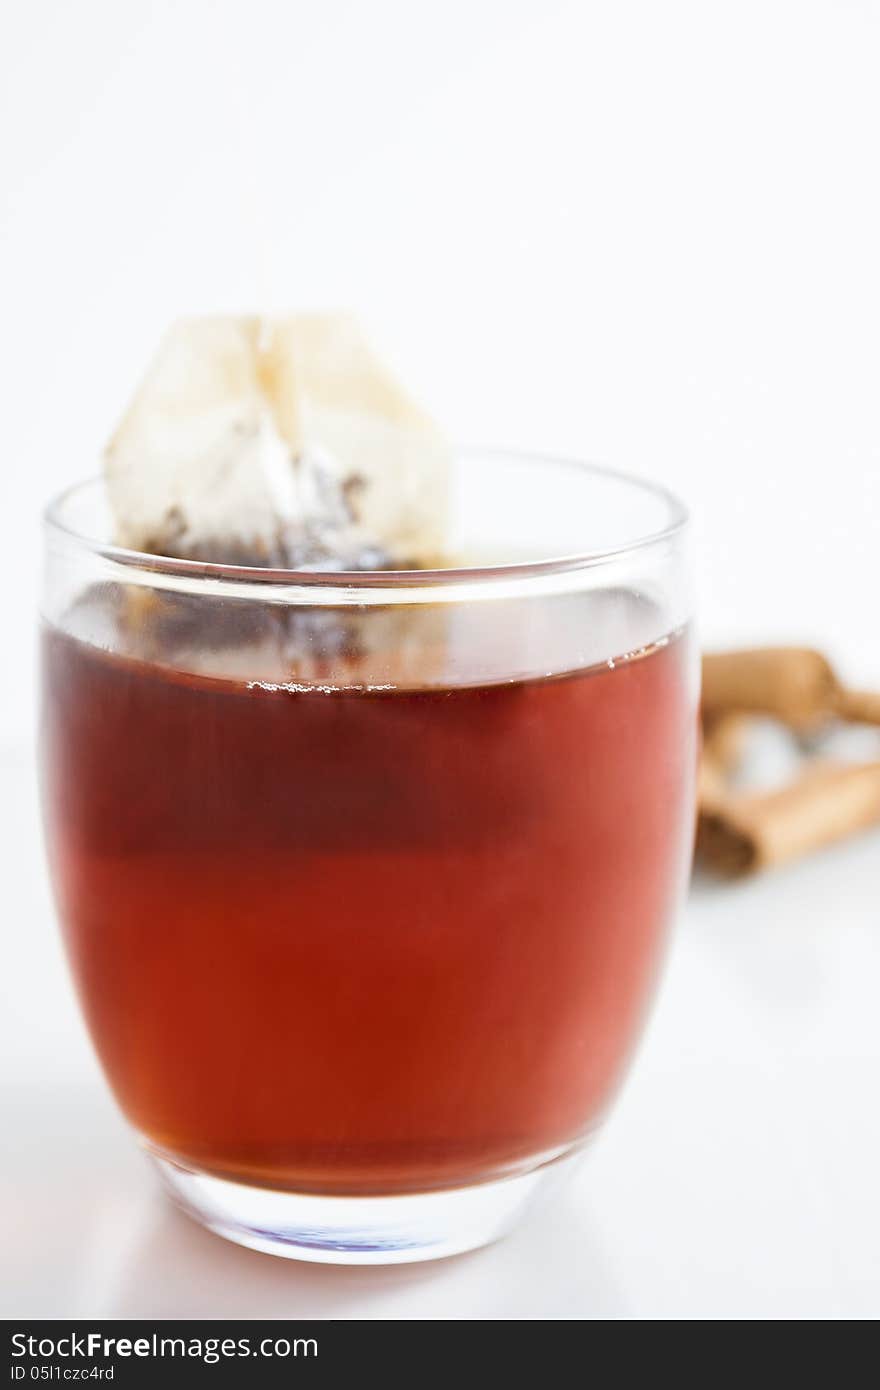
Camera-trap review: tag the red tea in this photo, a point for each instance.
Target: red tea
(365, 941)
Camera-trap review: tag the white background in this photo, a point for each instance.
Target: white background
(643, 233)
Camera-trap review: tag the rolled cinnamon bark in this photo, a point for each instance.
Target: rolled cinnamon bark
(711, 786)
(795, 684)
(738, 835)
(859, 706)
(724, 738)
(722, 746)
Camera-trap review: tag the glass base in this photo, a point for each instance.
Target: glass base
(359, 1230)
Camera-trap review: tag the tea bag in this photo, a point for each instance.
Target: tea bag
(373, 469)
(281, 443)
(278, 442)
(185, 469)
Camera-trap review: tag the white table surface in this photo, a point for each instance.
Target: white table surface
(737, 1176)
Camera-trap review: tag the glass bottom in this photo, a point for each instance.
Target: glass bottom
(359, 1230)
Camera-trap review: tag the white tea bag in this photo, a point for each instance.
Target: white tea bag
(277, 442)
(184, 467)
(373, 469)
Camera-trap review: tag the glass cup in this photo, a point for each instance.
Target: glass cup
(365, 878)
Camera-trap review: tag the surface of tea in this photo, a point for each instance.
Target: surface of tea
(361, 940)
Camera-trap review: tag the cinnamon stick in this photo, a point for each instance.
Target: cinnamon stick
(795, 684)
(711, 785)
(739, 834)
(722, 746)
(859, 706)
(724, 739)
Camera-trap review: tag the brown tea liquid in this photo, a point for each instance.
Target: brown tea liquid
(365, 942)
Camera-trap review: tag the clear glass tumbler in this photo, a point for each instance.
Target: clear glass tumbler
(365, 878)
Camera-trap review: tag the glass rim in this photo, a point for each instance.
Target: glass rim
(678, 519)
